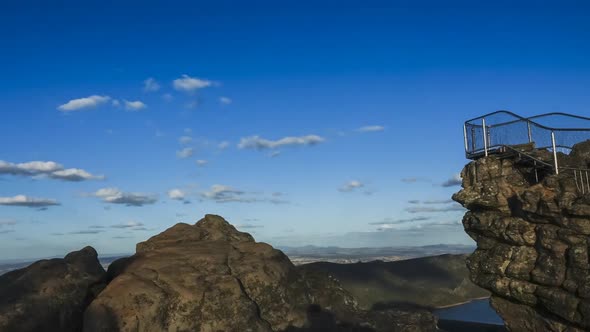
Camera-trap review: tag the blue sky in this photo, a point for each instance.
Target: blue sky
(303, 123)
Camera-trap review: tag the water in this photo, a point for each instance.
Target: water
(478, 311)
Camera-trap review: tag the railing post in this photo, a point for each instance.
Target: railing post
(554, 152)
(528, 124)
(465, 139)
(485, 136)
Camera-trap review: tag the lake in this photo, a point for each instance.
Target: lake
(478, 311)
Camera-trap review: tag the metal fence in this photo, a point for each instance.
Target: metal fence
(556, 132)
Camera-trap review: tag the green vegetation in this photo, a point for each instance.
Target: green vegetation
(426, 282)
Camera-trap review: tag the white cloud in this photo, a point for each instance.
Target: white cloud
(225, 100)
(370, 129)
(82, 103)
(115, 196)
(190, 84)
(453, 181)
(202, 162)
(351, 185)
(49, 169)
(185, 153)
(29, 168)
(74, 174)
(185, 139)
(274, 154)
(258, 143)
(176, 194)
(116, 103)
(22, 200)
(225, 194)
(223, 145)
(151, 85)
(134, 105)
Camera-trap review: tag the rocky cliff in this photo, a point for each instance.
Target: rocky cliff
(532, 240)
(50, 295)
(211, 277)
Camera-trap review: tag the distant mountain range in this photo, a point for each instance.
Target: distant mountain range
(426, 282)
(309, 254)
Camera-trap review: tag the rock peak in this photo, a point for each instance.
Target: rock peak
(210, 228)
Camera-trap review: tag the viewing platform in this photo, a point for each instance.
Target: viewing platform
(509, 134)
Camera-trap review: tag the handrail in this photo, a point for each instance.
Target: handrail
(482, 129)
(520, 118)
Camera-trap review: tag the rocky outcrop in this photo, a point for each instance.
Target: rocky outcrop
(211, 277)
(50, 295)
(532, 240)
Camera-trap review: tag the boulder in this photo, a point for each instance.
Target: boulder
(211, 277)
(50, 295)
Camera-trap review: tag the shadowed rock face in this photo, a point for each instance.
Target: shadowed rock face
(532, 241)
(211, 277)
(50, 295)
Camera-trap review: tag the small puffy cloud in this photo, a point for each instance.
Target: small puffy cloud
(225, 100)
(129, 224)
(185, 139)
(115, 196)
(259, 143)
(176, 194)
(83, 103)
(226, 194)
(190, 84)
(134, 105)
(185, 153)
(202, 163)
(151, 85)
(29, 168)
(22, 200)
(370, 129)
(454, 181)
(221, 194)
(274, 154)
(48, 169)
(223, 145)
(116, 103)
(75, 175)
(351, 185)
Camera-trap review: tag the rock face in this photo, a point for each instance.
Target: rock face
(211, 277)
(50, 295)
(532, 241)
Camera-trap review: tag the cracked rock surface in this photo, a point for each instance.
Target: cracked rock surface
(532, 240)
(211, 277)
(51, 294)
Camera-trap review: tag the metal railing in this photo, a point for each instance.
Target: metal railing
(556, 132)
